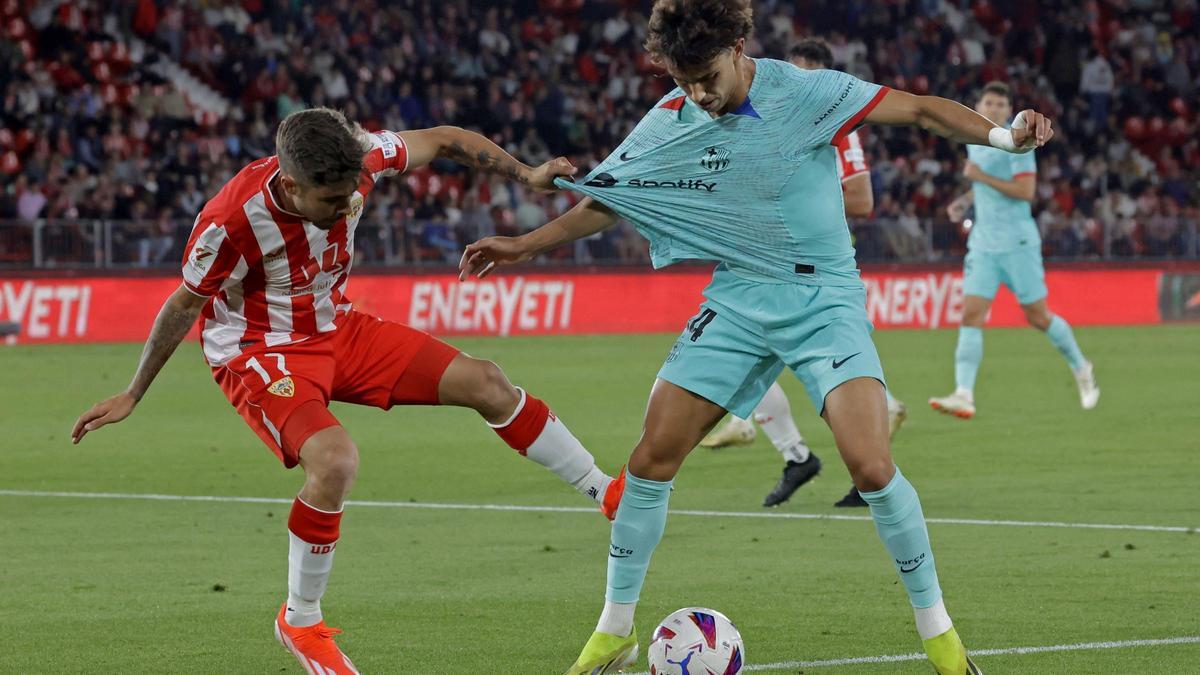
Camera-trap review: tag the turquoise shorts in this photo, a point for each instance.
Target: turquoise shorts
(747, 330)
(1021, 270)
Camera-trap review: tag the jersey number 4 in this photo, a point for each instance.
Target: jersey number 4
(700, 322)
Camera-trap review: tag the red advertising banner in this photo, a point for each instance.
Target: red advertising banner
(109, 309)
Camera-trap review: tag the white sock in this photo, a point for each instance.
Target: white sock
(594, 484)
(617, 618)
(965, 393)
(308, 574)
(932, 621)
(555, 447)
(309, 563)
(774, 415)
(892, 403)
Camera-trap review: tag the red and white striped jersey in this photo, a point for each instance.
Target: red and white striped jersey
(851, 159)
(273, 278)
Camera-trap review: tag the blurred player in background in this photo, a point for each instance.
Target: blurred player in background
(1004, 247)
(738, 165)
(774, 412)
(267, 267)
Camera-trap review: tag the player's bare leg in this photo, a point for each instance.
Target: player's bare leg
(1059, 331)
(967, 357)
(330, 461)
(676, 419)
(857, 414)
(527, 425)
(897, 414)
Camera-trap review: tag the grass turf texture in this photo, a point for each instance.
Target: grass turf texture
(97, 585)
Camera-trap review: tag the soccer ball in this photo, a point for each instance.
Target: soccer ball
(696, 641)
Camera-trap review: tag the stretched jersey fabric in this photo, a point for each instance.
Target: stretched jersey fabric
(757, 188)
(273, 278)
(1001, 222)
(852, 161)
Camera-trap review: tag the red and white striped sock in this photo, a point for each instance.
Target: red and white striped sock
(312, 536)
(537, 433)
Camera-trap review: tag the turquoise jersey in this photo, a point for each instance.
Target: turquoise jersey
(756, 189)
(1001, 223)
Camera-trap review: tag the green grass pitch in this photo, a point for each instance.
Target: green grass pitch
(106, 585)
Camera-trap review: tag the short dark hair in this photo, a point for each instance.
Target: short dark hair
(690, 33)
(319, 146)
(812, 49)
(999, 88)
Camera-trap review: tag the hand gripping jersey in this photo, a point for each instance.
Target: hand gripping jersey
(272, 277)
(757, 189)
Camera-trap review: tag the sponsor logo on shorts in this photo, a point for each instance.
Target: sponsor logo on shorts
(283, 387)
(838, 364)
(675, 351)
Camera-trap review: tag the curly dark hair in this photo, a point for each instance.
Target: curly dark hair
(319, 146)
(690, 33)
(815, 50)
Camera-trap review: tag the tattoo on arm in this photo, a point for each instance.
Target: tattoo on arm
(487, 160)
(171, 326)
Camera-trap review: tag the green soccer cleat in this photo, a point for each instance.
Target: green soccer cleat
(948, 656)
(606, 653)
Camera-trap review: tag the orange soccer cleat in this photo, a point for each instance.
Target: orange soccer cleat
(313, 647)
(612, 496)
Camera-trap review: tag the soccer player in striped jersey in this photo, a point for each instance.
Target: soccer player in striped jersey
(1004, 247)
(736, 165)
(266, 271)
(774, 412)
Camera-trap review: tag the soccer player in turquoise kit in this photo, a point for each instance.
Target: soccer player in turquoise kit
(1004, 247)
(737, 165)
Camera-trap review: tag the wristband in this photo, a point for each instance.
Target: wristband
(1002, 138)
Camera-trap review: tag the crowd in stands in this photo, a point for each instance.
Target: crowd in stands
(91, 128)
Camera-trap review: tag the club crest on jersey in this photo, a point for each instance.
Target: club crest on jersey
(283, 387)
(715, 159)
(356, 207)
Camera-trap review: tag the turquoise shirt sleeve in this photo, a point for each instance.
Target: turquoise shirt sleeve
(1024, 163)
(829, 102)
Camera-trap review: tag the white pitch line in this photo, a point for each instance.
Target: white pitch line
(581, 509)
(894, 658)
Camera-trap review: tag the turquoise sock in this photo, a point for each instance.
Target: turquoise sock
(967, 356)
(901, 525)
(1060, 334)
(637, 529)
